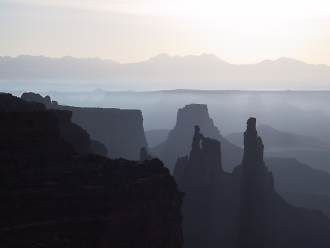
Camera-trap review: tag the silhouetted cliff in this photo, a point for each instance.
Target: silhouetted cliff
(241, 209)
(121, 131)
(178, 141)
(53, 195)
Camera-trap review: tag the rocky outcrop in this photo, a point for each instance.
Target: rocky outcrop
(9, 103)
(178, 141)
(54, 196)
(241, 209)
(33, 97)
(121, 131)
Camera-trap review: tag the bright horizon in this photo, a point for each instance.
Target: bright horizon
(239, 32)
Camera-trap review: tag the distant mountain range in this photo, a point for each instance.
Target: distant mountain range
(171, 72)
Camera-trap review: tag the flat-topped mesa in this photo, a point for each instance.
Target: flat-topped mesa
(253, 145)
(195, 113)
(120, 130)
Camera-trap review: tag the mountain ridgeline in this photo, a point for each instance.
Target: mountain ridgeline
(241, 209)
(167, 72)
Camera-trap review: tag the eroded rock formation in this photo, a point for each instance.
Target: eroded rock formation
(53, 195)
(241, 209)
(179, 139)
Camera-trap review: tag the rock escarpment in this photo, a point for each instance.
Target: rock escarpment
(53, 195)
(241, 209)
(121, 131)
(178, 141)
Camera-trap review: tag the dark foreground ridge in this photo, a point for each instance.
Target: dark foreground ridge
(241, 209)
(56, 193)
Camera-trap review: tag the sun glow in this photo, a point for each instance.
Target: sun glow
(202, 8)
(238, 31)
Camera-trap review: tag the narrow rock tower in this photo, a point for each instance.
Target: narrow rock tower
(256, 189)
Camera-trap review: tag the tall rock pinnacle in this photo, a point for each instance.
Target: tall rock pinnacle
(256, 189)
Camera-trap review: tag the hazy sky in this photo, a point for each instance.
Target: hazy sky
(238, 31)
